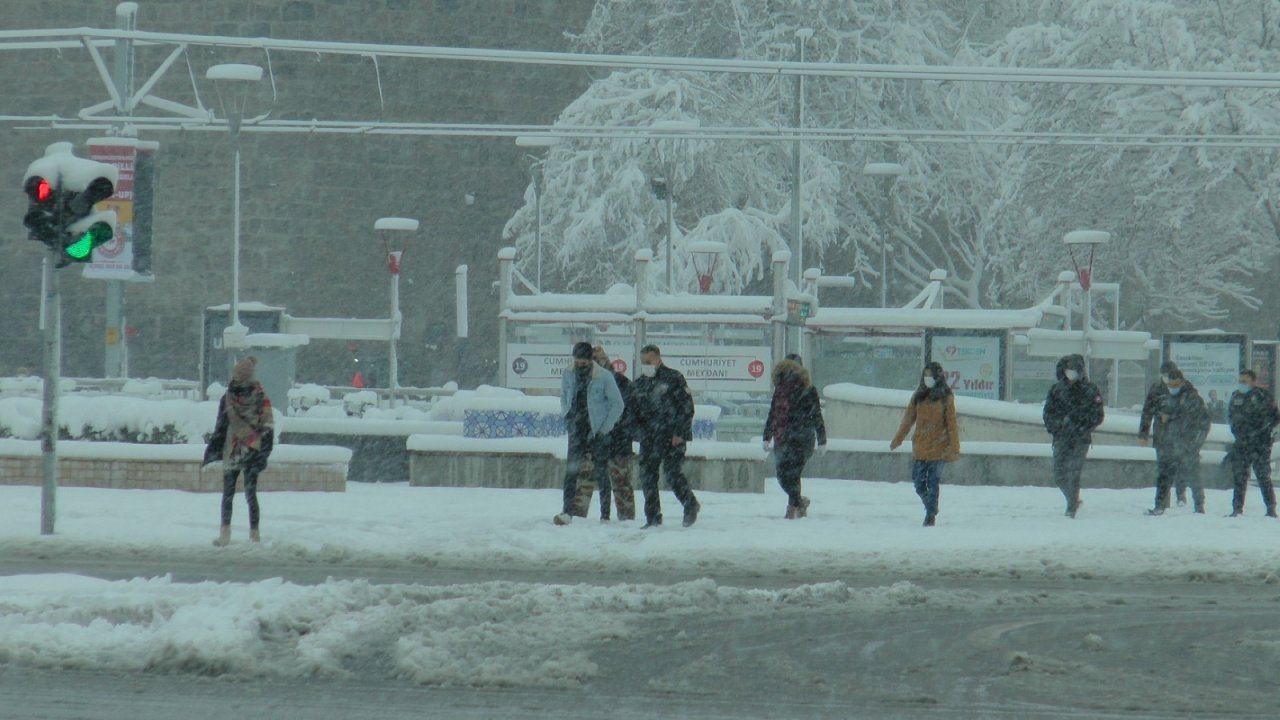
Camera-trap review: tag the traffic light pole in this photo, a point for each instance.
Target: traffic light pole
(51, 324)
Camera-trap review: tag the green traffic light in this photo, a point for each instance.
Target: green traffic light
(97, 234)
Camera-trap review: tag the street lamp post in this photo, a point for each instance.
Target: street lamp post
(888, 172)
(233, 82)
(797, 166)
(536, 176)
(386, 227)
(1090, 239)
(664, 188)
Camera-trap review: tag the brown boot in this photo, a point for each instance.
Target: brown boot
(224, 536)
(802, 510)
(254, 536)
(792, 512)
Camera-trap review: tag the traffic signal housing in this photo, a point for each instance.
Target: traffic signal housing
(43, 206)
(62, 191)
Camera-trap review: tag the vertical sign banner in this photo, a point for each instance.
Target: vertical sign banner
(132, 202)
(1211, 361)
(974, 360)
(1264, 363)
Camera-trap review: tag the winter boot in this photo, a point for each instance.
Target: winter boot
(691, 513)
(653, 522)
(1156, 511)
(254, 536)
(562, 519)
(930, 520)
(224, 536)
(1271, 512)
(792, 512)
(802, 510)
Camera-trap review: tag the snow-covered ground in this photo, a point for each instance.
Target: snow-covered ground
(505, 634)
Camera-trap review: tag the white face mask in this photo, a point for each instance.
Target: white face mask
(1072, 375)
(930, 382)
(648, 370)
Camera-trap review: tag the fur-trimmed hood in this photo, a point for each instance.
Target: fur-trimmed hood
(791, 367)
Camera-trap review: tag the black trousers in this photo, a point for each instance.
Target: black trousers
(250, 494)
(789, 461)
(661, 454)
(1243, 458)
(1068, 464)
(1182, 469)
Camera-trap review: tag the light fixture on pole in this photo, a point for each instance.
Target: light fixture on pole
(1082, 239)
(664, 187)
(888, 172)
(233, 81)
(536, 176)
(706, 254)
(386, 228)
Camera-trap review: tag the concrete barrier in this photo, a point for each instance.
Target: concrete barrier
(168, 467)
(436, 461)
(377, 447)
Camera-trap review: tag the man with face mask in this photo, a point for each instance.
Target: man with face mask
(1184, 425)
(1149, 424)
(1253, 418)
(1072, 410)
(664, 424)
(592, 405)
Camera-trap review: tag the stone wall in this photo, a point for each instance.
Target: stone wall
(170, 475)
(308, 201)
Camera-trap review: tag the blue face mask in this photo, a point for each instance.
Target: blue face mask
(1175, 390)
(1243, 389)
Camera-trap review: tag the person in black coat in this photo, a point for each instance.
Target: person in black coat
(664, 426)
(1184, 425)
(1072, 410)
(619, 450)
(1149, 423)
(243, 438)
(1253, 417)
(794, 424)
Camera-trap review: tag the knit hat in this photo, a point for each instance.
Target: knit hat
(242, 373)
(582, 351)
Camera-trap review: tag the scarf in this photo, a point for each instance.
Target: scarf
(249, 417)
(783, 395)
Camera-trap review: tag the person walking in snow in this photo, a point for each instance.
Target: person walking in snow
(1072, 410)
(1253, 417)
(1149, 423)
(1184, 425)
(932, 411)
(591, 405)
(793, 426)
(619, 451)
(664, 423)
(243, 438)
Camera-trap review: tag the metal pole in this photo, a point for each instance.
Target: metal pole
(537, 204)
(392, 374)
(122, 76)
(52, 375)
(1088, 323)
(235, 220)
(884, 270)
(670, 230)
(797, 241)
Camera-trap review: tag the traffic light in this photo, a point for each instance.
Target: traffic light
(43, 203)
(84, 229)
(62, 190)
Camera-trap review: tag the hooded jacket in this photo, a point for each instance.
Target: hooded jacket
(932, 410)
(1184, 421)
(795, 412)
(604, 402)
(1072, 410)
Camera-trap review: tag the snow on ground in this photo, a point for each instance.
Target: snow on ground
(526, 634)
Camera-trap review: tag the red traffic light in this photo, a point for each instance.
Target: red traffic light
(38, 189)
(43, 190)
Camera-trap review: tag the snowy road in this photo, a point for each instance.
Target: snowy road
(393, 602)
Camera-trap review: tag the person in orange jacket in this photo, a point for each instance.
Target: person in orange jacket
(932, 411)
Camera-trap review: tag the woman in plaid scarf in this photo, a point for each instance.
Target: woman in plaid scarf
(242, 439)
